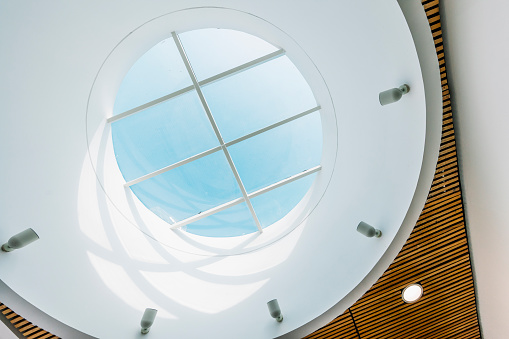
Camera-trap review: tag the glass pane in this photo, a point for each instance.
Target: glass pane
(275, 204)
(189, 189)
(232, 222)
(258, 97)
(159, 72)
(212, 51)
(162, 135)
(279, 153)
(241, 104)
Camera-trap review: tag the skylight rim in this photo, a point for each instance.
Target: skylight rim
(222, 145)
(116, 65)
(197, 87)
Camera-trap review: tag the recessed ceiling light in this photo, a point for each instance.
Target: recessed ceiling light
(412, 293)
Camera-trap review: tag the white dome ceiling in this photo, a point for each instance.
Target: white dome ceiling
(98, 270)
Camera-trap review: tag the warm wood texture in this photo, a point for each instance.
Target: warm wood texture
(436, 255)
(26, 328)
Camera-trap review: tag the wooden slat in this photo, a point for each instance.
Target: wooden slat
(21, 323)
(35, 329)
(46, 336)
(392, 293)
(40, 335)
(341, 327)
(26, 328)
(10, 316)
(436, 254)
(18, 318)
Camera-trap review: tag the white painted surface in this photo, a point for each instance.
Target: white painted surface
(5, 332)
(97, 273)
(22, 307)
(478, 52)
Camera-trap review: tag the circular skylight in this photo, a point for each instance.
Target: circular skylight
(217, 132)
(412, 293)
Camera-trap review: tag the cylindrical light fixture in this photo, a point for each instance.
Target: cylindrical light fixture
(147, 320)
(392, 95)
(20, 240)
(368, 230)
(275, 310)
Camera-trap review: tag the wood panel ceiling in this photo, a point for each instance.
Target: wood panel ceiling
(436, 255)
(23, 326)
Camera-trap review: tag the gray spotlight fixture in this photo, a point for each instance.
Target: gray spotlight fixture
(392, 95)
(20, 240)
(368, 230)
(275, 310)
(147, 320)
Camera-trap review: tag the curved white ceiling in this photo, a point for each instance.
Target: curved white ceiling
(477, 64)
(94, 270)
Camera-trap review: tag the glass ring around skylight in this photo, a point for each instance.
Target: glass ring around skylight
(217, 132)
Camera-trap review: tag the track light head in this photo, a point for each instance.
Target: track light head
(368, 230)
(275, 310)
(147, 320)
(393, 95)
(20, 240)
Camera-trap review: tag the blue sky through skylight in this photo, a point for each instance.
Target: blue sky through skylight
(190, 189)
(158, 72)
(212, 51)
(147, 141)
(243, 103)
(258, 97)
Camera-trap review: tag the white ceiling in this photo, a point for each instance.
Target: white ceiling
(477, 57)
(96, 272)
(5, 332)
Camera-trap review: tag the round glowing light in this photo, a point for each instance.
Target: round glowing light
(412, 293)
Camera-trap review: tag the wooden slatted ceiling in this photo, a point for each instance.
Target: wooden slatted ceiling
(25, 327)
(436, 255)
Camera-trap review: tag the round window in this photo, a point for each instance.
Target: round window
(217, 132)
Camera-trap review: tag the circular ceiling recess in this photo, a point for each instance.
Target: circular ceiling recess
(217, 132)
(229, 167)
